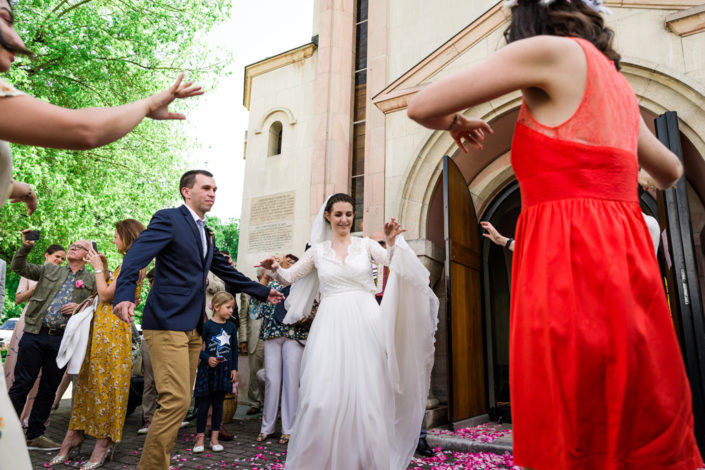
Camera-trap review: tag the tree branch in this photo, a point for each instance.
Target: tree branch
(74, 6)
(61, 3)
(162, 67)
(79, 82)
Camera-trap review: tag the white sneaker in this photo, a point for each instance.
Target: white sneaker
(144, 429)
(198, 449)
(217, 448)
(184, 424)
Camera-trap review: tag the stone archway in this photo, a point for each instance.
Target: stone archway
(421, 177)
(282, 110)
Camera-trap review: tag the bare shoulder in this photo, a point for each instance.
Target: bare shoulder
(543, 48)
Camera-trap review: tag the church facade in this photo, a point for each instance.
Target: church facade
(330, 116)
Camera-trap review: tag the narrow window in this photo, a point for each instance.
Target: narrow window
(275, 139)
(357, 174)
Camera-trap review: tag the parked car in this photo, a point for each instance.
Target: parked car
(6, 330)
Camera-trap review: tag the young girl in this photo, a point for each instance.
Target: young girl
(217, 370)
(596, 369)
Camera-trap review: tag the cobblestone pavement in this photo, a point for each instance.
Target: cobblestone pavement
(243, 452)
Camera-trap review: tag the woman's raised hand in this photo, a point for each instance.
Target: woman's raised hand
(391, 230)
(493, 234)
(159, 102)
(22, 192)
(93, 258)
(270, 264)
(471, 130)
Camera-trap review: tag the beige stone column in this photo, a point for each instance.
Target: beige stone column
(333, 107)
(375, 138)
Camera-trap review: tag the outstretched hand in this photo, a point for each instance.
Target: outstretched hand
(275, 297)
(492, 233)
(271, 264)
(22, 192)
(471, 130)
(391, 230)
(159, 102)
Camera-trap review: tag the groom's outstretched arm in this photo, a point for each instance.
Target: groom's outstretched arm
(150, 242)
(235, 280)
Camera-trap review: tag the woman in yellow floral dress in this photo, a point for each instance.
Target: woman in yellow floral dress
(104, 381)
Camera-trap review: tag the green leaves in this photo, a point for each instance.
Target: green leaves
(105, 53)
(227, 234)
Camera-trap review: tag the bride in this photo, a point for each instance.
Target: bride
(365, 371)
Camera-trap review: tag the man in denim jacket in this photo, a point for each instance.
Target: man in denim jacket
(59, 291)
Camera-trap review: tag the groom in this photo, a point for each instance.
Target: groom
(185, 251)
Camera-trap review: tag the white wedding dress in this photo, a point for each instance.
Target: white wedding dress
(365, 370)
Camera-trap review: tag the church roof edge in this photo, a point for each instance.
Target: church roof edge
(272, 63)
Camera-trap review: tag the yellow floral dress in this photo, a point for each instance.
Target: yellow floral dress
(103, 385)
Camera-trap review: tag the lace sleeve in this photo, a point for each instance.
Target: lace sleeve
(378, 254)
(301, 268)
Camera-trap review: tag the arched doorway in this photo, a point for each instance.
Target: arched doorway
(502, 212)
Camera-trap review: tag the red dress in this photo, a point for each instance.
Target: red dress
(597, 378)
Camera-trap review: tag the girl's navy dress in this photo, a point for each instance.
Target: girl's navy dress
(220, 340)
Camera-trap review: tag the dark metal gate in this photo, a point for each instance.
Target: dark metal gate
(688, 306)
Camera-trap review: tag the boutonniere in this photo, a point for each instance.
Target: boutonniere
(211, 237)
(80, 284)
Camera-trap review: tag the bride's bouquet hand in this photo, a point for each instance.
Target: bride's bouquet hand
(391, 230)
(270, 264)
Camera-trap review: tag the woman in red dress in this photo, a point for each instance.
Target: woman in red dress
(597, 378)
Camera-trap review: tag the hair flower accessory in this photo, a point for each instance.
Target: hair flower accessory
(595, 5)
(80, 284)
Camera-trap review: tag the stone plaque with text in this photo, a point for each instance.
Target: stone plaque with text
(271, 223)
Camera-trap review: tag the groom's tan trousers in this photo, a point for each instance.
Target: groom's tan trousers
(171, 352)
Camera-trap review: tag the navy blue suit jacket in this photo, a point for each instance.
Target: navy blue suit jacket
(177, 299)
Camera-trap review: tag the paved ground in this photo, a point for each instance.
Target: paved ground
(243, 452)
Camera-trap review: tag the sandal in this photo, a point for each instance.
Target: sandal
(262, 437)
(285, 439)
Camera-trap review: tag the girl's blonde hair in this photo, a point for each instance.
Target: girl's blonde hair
(221, 298)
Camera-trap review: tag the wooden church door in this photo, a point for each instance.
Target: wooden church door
(463, 268)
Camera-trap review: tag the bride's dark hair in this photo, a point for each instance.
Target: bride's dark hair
(339, 197)
(561, 18)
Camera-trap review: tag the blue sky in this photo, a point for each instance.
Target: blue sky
(256, 30)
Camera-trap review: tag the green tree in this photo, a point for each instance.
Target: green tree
(226, 232)
(103, 53)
